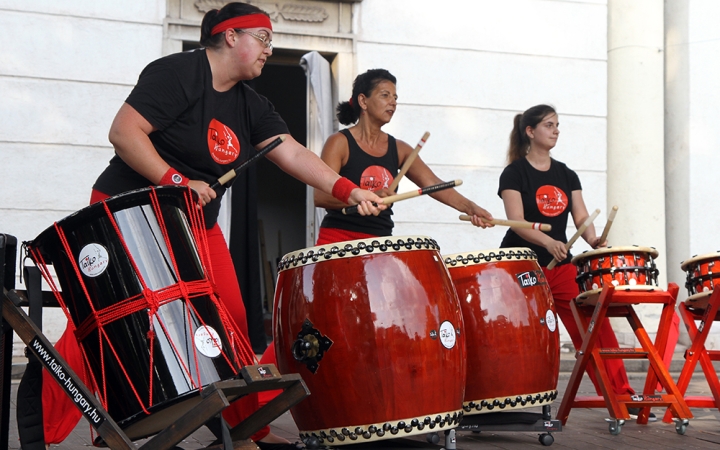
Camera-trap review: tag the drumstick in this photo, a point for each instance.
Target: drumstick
(608, 224)
(236, 171)
(411, 157)
(577, 234)
(389, 200)
(512, 223)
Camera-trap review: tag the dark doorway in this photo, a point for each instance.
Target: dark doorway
(281, 199)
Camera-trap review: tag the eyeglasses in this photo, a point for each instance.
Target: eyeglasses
(259, 37)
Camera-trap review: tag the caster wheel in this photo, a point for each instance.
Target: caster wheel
(311, 443)
(615, 428)
(681, 426)
(433, 438)
(546, 439)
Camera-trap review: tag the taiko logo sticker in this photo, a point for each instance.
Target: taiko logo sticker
(551, 201)
(93, 260)
(223, 144)
(447, 334)
(550, 320)
(207, 341)
(375, 177)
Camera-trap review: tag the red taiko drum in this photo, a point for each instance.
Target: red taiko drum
(626, 268)
(511, 334)
(374, 328)
(135, 286)
(701, 275)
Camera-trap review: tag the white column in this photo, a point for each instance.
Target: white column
(677, 139)
(636, 172)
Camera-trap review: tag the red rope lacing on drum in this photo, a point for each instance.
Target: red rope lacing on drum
(152, 300)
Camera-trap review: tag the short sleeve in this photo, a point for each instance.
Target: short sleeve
(159, 95)
(511, 179)
(574, 181)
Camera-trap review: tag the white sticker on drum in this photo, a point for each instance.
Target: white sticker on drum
(93, 260)
(550, 320)
(207, 341)
(447, 334)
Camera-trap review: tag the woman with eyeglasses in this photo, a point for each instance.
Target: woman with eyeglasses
(188, 121)
(537, 188)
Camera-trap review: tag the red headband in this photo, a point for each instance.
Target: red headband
(247, 21)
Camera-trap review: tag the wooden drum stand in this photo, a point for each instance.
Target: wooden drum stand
(588, 312)
(704, 309)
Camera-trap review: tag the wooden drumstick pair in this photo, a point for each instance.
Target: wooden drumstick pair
(577, 234)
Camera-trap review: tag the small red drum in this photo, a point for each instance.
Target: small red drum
(374, 328)
(135, 287)
(701, 275)
(626, 268)
(512, 340)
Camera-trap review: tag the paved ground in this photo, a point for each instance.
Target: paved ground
(586, 429)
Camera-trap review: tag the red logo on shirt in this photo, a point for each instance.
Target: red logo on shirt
(223, 144)
(375, 177)
(551, 201)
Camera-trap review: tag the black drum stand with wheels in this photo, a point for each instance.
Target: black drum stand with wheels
(214, 397)
(514, 421)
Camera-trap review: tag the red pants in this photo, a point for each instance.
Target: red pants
(333, 235)
(561, 281)
(60, 415)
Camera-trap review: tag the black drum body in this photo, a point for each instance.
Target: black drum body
(134, 285)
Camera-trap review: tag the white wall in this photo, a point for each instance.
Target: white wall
(464, 69)
(65, 69)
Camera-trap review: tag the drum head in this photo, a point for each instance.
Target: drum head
(359, 247)
(610, 250)
(487, 256)
(699, 300)
(591, 297)
(698, 258)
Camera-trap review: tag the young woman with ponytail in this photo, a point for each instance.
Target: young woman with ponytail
(537, 188)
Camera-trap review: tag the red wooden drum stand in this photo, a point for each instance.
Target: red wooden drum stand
(626, 268)
(511, 329)
(375, 329)
(702, 305)
(613, 302)
(139, 297)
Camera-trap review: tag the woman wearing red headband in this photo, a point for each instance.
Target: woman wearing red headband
(188, 121)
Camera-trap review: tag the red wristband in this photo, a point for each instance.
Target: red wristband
(174, 177)
(342, 188)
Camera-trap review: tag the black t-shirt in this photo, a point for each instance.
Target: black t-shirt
(546, 198)
(371, 173)
(201, 133)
